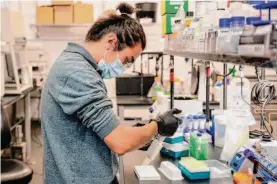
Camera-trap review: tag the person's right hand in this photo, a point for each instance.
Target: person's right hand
(168, 123)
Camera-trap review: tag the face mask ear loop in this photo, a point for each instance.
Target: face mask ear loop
(105, 54)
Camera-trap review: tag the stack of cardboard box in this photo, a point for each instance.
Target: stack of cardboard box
(65, 12)
(169, 8)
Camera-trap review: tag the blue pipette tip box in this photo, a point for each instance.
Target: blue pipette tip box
(174, 140)
(173, 154)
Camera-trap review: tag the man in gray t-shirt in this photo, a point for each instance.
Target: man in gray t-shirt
(81, 134)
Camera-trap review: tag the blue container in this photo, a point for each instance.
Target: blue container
(252, 20)
(238, 21)
(255, 2)
(195, 175)
(224, 23)
(189, 125)
(174, 140)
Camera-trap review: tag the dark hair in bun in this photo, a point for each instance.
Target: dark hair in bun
(126, 8)
(129, 31)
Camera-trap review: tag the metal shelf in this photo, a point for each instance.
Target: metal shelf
(268, 5)
(58, 39)
(61, 25)
(225, 58)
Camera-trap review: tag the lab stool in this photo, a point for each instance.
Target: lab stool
(12, 171)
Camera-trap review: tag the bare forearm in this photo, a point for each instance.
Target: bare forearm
(125, 139)
(138, 136)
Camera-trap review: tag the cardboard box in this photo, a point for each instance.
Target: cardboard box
(45, 15)
(172, 6)
(61, 3)
(63, 14)
(83, 13)
(167, 22)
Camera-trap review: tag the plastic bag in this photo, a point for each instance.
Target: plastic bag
(237, 132)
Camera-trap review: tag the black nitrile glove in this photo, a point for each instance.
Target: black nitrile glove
(168, 123)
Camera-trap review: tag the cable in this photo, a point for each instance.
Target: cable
(257, 97)
(256, 111)
(263, 118)
(259, 90)
(231, 71)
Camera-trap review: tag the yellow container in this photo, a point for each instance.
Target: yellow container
(167, 22)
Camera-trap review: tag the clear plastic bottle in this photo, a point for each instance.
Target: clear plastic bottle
(249, 30)
(156, 87)
(237, 25)
(202, 123)
(188, 20)
(195, 122)
(184, 122)
(178, 29)
(218, 89)
(222, 42)
(188, 129)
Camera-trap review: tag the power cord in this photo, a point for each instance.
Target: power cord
(230, 72)
(258, 99)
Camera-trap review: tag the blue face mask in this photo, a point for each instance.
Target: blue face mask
(111, 70)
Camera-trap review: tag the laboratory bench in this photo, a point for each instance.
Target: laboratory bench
(137, 103)
(136, 158)
(133, 100)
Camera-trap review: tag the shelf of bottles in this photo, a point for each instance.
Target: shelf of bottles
(206, 50)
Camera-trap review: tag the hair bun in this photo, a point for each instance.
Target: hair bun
(125, 8)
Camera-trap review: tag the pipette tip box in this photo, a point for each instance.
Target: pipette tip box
(194, 169)
(177, 138)
(147, 172)
(175, 150)
(174, 154)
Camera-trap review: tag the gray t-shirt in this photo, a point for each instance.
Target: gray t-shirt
(76, 116)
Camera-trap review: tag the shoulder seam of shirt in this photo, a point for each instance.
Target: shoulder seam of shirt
(65, 82)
